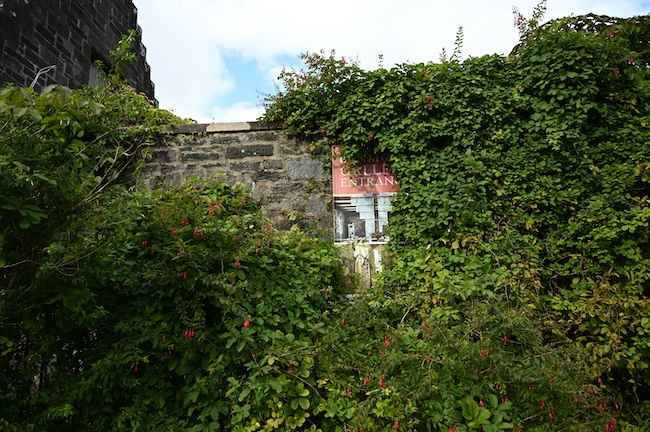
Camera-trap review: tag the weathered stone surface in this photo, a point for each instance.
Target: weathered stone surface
(238, 166)
(283, 176)
(304, 168)
(228, 127)
(244, 151)
(164, 155)
(275, 164)
(200, 156)
(69, 35)
(267, 136)
(316, 205)
(268, 175)
(288, 188)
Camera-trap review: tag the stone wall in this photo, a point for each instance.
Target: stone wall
(68, 34)
(290, 182)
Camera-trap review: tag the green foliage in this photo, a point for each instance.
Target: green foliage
(523, 209)
(189, 311)
(59, 151)
(516, 298)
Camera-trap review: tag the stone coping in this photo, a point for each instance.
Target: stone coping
(188, 129)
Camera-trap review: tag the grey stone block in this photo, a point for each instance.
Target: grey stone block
(268, 175)
(287, 188)
(304, 168)
(240, 152)
(316, 205)
(245, 165)
(275, 164)
(202, 156)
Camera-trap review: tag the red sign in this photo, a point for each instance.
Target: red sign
(373, 177)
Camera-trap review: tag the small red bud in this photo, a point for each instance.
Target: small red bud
(396, 425)
(247, 324)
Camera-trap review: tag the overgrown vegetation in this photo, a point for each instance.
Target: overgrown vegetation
(517, 298)
(520, 230)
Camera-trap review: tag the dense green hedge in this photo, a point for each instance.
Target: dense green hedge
(516, 296)
(523, 215)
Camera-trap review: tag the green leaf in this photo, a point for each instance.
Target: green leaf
(275, 386)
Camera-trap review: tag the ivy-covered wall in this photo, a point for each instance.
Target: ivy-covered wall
(283, 175)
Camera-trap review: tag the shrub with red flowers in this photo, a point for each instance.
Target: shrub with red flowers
(520, 238)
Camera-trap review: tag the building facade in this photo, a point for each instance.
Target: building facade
(46, 42)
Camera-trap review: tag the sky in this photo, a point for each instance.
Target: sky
(214, 60)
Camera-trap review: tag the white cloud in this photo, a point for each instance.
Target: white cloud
(186, 41)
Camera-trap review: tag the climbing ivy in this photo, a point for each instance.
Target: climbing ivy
(522, 211)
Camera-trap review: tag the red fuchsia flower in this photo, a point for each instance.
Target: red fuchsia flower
(631, 61)
(505, 339)
(382, 383)
(542, 404)
(144, 244)
(247, 323)
(480, 402)
(367, 381)
(237, 263)
(396, 425)
(387, 341)
(342, 321)
(611, 424)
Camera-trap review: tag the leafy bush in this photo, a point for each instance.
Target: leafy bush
(522, 213)
(187, 310)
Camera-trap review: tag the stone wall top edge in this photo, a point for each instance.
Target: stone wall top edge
(224, 127)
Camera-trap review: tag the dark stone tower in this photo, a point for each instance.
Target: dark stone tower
(70, 35)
